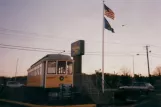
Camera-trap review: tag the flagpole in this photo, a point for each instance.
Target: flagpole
(103, 51)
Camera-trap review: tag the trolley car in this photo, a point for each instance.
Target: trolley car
(49, 81)
(51, 71)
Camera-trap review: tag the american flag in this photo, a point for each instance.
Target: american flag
(108, 12)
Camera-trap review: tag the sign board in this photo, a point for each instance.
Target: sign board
(77, 48)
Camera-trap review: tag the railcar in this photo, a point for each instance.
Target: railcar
(49, 81)
(51, 71)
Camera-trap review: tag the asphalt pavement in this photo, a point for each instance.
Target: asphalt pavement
(152, 100)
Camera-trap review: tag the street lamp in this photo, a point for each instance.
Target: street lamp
(134, 64)
(16, 68)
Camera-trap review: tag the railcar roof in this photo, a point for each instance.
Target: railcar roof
(53, 57)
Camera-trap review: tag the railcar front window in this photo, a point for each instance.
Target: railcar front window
(69, 67)
(51, 67)
(61, 67)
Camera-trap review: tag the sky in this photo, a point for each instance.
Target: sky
(55, 24)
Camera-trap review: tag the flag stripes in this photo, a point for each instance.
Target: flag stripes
(108, 12)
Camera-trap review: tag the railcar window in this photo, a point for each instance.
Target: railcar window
(61, 67)
(51, 67)
(69, 67)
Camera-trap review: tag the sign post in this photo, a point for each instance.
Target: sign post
(77, 50)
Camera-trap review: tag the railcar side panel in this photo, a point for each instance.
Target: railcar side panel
(53, 81)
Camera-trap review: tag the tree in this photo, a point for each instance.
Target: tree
(125, 76)
(125, 71)
(157, 71)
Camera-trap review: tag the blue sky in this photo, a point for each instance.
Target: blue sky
(55, 24)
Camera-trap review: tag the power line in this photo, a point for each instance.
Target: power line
(28, 47)
(155, 53)
(64, 39)
(28, 33)
(155, 46)
(125, 55)
(38, 37)
(51, 36)
(50, 50)
(155, 56)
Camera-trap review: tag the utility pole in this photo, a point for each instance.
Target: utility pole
(147, 52)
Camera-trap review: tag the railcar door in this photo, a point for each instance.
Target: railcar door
(50, 74)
